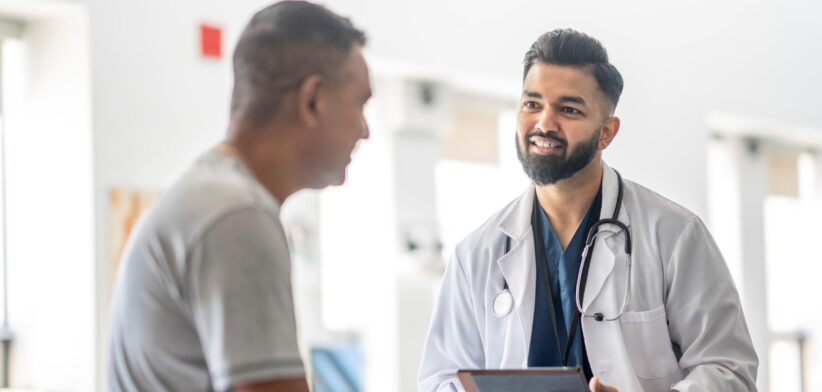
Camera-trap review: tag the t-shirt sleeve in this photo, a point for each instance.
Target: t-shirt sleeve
(241, 300)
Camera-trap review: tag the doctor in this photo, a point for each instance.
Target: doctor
(586, 268)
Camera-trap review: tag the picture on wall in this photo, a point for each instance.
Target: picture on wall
(125, 208)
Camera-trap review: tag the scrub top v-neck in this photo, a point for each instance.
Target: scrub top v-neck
(563, 266)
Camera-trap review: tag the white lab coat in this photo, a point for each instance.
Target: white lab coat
(683, 327)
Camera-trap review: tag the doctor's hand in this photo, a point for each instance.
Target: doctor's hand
(597, 386)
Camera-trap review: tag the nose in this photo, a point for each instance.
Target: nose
(547, 120)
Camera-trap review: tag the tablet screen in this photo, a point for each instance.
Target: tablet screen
(533, 380)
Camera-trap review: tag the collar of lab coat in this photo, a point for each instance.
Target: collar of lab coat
(517, 265)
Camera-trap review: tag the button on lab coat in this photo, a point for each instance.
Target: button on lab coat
(683, 326)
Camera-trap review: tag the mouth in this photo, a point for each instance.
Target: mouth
(541, 144)
(352, 152)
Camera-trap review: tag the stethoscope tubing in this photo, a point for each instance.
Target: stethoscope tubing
(593, 232)
(586, 259)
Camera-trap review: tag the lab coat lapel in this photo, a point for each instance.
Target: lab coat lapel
(605, 250)
(517, 266)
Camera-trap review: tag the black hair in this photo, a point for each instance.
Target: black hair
(282, 45)
(572, 48)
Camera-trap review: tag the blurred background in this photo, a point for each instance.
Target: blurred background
(105, 102)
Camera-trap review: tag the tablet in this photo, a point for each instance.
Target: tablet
(553, 379)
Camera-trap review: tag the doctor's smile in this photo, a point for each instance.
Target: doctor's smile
(545, 144)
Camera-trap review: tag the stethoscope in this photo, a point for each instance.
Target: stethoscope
(504, 301)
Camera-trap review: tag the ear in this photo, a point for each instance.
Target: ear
(610, 128)
(308, 97)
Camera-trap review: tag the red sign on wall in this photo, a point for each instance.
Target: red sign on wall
(211, 41)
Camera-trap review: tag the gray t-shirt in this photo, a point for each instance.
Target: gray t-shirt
(203, 299)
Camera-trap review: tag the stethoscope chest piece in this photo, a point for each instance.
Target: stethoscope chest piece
(503, 303)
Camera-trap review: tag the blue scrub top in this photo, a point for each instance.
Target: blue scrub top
(563, 267)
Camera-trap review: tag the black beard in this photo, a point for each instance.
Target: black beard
(550, 169)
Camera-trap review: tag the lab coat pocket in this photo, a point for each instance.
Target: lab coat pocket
(648, 343)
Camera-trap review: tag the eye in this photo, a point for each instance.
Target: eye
(570, 110)
(530, 105)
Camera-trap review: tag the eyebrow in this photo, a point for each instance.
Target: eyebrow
(571, 99)
(562, 99)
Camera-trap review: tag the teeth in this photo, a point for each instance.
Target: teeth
(544, 143)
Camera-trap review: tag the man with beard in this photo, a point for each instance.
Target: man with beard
(586, 269)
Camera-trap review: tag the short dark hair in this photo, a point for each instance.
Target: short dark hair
(282, 45)
(572, 48)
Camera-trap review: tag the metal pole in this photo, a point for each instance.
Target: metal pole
(801, 338)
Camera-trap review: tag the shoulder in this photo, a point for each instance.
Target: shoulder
(215, 182)
(647, 206)
(211, 190)
(662, 224)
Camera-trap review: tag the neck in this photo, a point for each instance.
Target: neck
(567, 201)
(273, 164)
